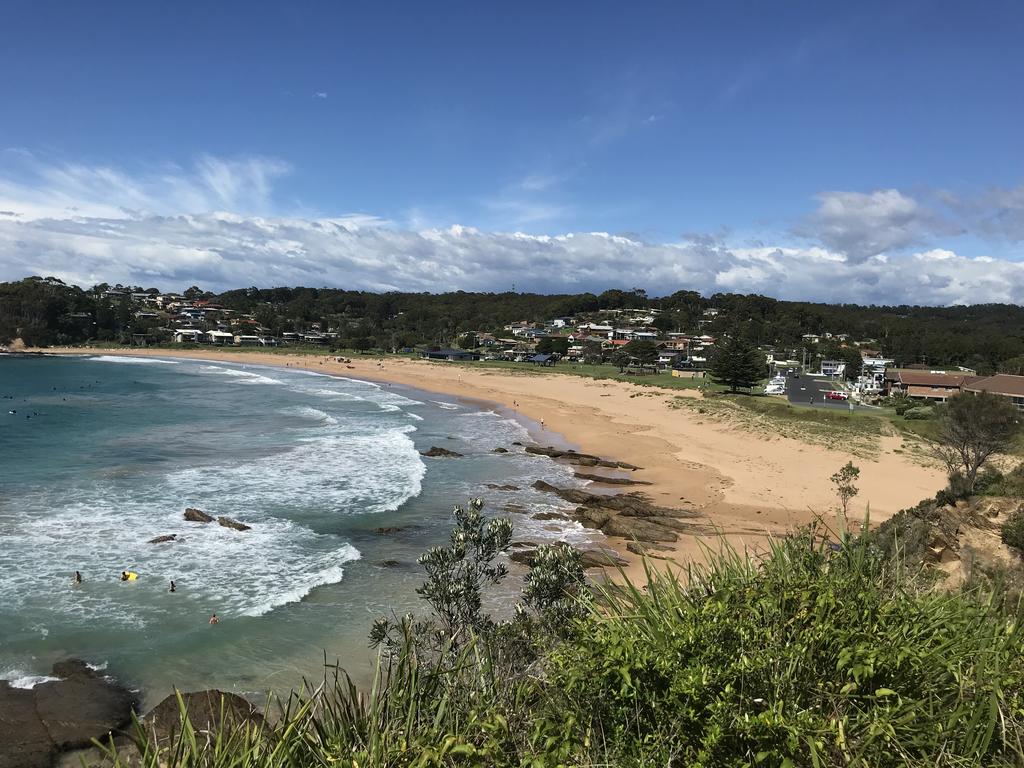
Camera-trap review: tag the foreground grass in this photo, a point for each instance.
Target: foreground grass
(813, 657)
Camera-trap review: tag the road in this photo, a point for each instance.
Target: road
(810, 391)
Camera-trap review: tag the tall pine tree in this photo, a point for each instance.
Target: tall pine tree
(737, 363)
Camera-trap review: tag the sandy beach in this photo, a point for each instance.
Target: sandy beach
(746, 485)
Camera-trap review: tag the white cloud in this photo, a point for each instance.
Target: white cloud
(34, 189)
(862, 225)
(320, 95)
(213, 226)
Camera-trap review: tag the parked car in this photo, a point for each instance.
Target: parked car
(834, 395)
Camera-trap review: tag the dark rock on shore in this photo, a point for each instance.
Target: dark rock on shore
(580, 459)
(194, 515)
(207, 711)
(549, 516)
(646, 550)
(162, 539)
(38, 723)
(628, 515)
(610, 480)
(435, 453)
(227, 522)
(589, 558)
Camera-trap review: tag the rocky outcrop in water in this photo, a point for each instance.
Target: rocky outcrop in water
(500, 450)
(506, 487)
(627, 515)
(39, 723)
(227, 522)
(440, 453)
(580, 459)
(163, 539)
(194, 515)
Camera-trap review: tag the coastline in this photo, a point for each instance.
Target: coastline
(745, 485)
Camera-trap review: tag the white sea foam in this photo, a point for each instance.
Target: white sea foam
(446, 406)
(303, 586)
(132, 360)
(311, 414)
(243, 377)
(18, 679)
(373, 471)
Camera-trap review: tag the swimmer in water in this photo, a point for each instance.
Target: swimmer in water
(173, 588)
(214, 619)
(78, 578)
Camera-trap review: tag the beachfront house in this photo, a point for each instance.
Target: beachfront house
(542, 360)
(936, 386)
(188, 336)
(1002, 384)
(451, 355)
(220, 338)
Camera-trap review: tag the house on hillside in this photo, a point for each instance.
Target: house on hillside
(543, 360)
(1002, 384)
(833, 367)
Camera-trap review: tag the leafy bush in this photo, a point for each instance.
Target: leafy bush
(919, 413)
(813, 658)
(1012, 532)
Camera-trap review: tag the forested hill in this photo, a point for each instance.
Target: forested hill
(984, 337)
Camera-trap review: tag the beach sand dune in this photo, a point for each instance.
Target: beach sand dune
(748, 485)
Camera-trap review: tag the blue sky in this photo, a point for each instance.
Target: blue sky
(864, 140)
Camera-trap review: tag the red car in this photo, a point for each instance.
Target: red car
(836, 396)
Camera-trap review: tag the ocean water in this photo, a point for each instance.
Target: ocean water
(104, 453)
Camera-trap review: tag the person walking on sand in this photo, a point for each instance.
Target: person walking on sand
(214, 619)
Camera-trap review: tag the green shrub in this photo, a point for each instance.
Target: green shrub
(812, 656)
(1012, 531)
(919, 413)
(816, 658)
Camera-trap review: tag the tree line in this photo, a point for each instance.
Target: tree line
(985, 337)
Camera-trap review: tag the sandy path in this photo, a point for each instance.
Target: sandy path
(747, 484)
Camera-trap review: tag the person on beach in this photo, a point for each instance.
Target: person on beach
(173, 588)
(78, 578)
(214, 619)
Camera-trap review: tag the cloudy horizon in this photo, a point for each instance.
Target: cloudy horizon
(861, 153)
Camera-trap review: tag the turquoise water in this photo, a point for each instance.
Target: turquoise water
(103, 454)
